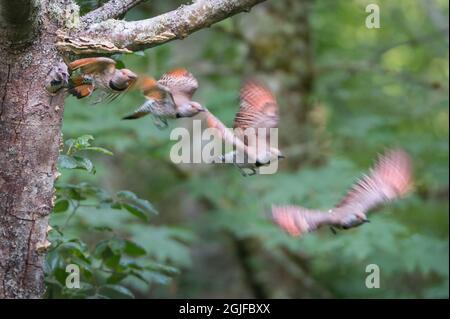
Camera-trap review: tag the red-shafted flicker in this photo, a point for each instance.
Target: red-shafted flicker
(100, 73)
(390, 179)
(169, 97)
(258, 110)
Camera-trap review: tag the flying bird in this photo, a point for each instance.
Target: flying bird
(169, 97)
(390, 179)
(100, 73)
(258, 110)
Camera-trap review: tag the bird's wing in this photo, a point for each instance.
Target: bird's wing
(258, 108)
(155, 92)
(390, 178)
(224, 133)
(180, 81)
(152, 89)
(298, 221)
(93, 65)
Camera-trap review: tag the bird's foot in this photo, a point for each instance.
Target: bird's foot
(333, 230)
(57, 78)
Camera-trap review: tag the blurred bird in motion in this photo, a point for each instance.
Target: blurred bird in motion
(390, 179)
(169, 97)
(258, 110)
(100, 73)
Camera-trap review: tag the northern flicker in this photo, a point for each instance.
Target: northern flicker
(100, 73)
(390, 179)
(169, 97)
(258, 110)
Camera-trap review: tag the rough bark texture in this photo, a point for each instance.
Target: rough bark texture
(111, 9)
(30, 133)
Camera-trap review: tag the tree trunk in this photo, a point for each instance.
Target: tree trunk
(30, 136)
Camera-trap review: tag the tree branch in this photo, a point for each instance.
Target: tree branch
(176, 24)
(111, 9)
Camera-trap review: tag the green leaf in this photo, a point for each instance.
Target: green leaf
(113, 260)
(117, 245)
(85, 163)
(65, 161)
(135, 205)
(116, 277)
(83, 141)
(116, 291)
(98, 149)
(61, 206)
(136, 211)
(133, 249)
(76, 162)
(101, 248)
(70, 142)
(139, 276)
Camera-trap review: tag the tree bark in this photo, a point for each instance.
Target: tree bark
(30, 135)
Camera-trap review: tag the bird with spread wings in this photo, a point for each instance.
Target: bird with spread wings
(390, 179)
(257, 115)
(100, 73)
(169, 97)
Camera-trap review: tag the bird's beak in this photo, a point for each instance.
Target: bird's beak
(366, 221)
(281, 157)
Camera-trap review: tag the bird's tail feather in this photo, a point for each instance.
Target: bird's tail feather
(81, 91)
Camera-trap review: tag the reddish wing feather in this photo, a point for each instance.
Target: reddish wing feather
(180, 81)
(258, 107)
(390, 178)
(298, 221)
(224, 133)
(93, 65)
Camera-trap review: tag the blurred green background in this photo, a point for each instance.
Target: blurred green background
(345, 92)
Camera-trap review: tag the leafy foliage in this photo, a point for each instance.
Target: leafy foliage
(107, 260)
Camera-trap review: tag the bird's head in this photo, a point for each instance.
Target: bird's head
(189, 109)
(275, 154)
(129, 75)
(354, 220)
(123, 79)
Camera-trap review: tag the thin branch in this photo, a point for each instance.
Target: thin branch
(111, 9)
(176, 24)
